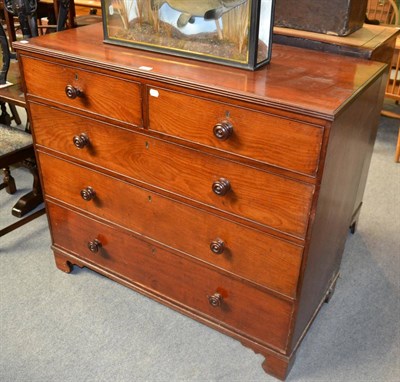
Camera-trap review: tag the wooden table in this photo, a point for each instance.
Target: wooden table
(80, 3)
(372, 42)
(88, 3)
(81, 6)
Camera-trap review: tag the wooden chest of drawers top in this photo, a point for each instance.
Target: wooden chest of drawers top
(286, 83)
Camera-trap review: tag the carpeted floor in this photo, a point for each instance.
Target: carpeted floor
(56, 327)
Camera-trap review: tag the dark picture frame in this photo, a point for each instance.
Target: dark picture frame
(230, 32)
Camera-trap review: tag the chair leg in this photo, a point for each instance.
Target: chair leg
(5, 118)
(14, 113)
(9, 181)
(32, 199)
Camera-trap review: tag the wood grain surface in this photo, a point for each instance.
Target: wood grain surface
(270, 200)
(320, 85)
(182, 281)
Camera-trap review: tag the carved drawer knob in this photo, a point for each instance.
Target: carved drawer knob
(221, 186)
(217, 246)
(72, 92)
(88, 193)
(94, 245)
(215, 300)
(223, 130)
(81, 140)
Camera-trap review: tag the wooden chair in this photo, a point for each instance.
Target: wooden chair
(393, 84)
(393, 91)
(384, 11)
(15, 147)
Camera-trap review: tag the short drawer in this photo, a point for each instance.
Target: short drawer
(259, 136)
(268, 199)
(248, 253)
(112, 97)
(190, 285)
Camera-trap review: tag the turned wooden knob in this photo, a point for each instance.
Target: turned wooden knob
(72, 92)
(215, 300)
(223, 130)
(88, 193)
(221, 187)
(217, 246)
(81, 140)
(94, 245)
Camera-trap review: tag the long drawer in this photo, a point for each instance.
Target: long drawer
(234, 305)
(248, 253)
(259, 136)
(271, 200)
(99, 94)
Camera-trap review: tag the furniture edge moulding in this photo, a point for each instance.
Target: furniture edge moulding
(99, 62)
(272, 108)
(214, 91)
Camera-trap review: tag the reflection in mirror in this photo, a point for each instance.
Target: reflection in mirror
(265, 30)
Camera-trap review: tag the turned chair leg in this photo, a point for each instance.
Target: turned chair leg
(8, 182)
(32, 199)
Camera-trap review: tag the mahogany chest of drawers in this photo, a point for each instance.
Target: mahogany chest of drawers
(222, 193)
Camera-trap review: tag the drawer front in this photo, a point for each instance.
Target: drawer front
(271, 200)
(249, 253)
(274, 140)
(243, 308)
(109, 96)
